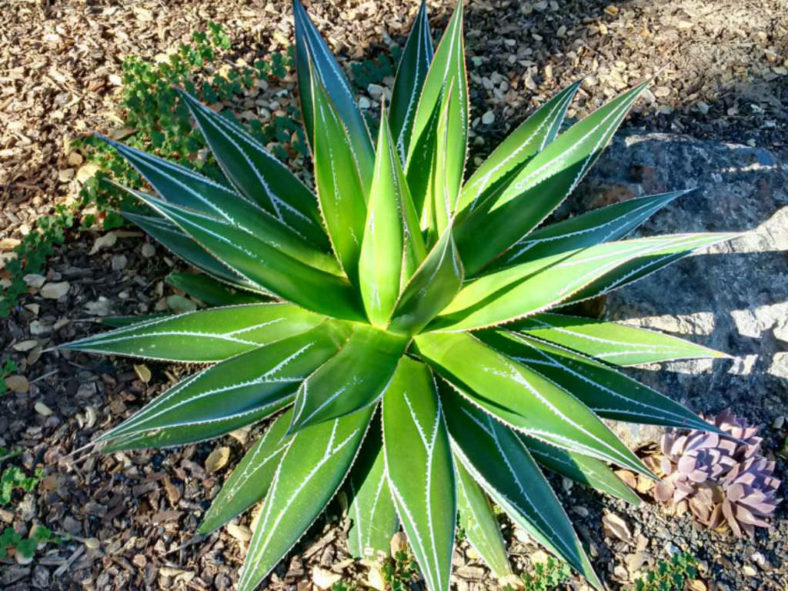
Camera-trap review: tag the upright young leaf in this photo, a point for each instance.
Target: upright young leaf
(251, 478)
(312, 468)
(611, 342)
(594, 227)
(446, 85)
(479, 523)
(259, 176)
(227, 396)
(371, 508)
(392, 247)
(433, 285)
(498, 460)
(540, 186)
(204, 335)
(419, 170)
(209, 290)
(342, 193)
(521, 398)
(534, 286)
(588, 471)
(411, 73)
(313, 58)
(508, 159)
(441, 190)
(353, 378)
(420, 470)
(266, 265)
(607, 392)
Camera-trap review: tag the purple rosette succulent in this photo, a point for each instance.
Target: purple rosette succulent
(724, 482)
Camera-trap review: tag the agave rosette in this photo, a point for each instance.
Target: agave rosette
(398, 328)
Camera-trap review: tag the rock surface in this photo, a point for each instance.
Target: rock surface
(732, 297)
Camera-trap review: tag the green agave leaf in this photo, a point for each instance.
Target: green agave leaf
(121, 321)
(446, 85)
(411, 73)
(479, 523)
(185, 189)
(508, 159)
(497, 459)
(521, 398)
(611, 342)
(209, 290)
(420, 168)
(251, 478)
(537, 285)
(433, 285)
(229, 395)
(267, 265)
(540, 186)
(258, 175)
(262, 226)
(371, 508)
(588, 471)
(392, 247)
(606, 391)
(312, 468)
(638, 268)
(204, 335)
(313, 59)
(420, 470)
(354, 378)
(185, 247)
(594, 227)
(341, 190)
(442, 194)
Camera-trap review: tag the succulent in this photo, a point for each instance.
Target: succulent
(397, 330)
(722, 478)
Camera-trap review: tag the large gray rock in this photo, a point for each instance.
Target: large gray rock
(734, 296)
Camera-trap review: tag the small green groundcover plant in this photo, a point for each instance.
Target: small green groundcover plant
(399, 328)
(669, 575)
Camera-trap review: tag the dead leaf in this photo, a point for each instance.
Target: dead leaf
(323, 579)
(24, 346)
(217, 459)
(9, 243)
(180, 304)
(240, 532)
(399, 543)
(107, 240)
(614, 526)
(42, 409)
(17, 383)
(143, 373)
(375, 578)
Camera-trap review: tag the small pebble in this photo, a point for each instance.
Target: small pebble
(148, 250)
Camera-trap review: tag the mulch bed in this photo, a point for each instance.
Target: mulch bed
(132, 516)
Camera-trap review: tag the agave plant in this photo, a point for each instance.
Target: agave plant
(402, 317)
(725, 482)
